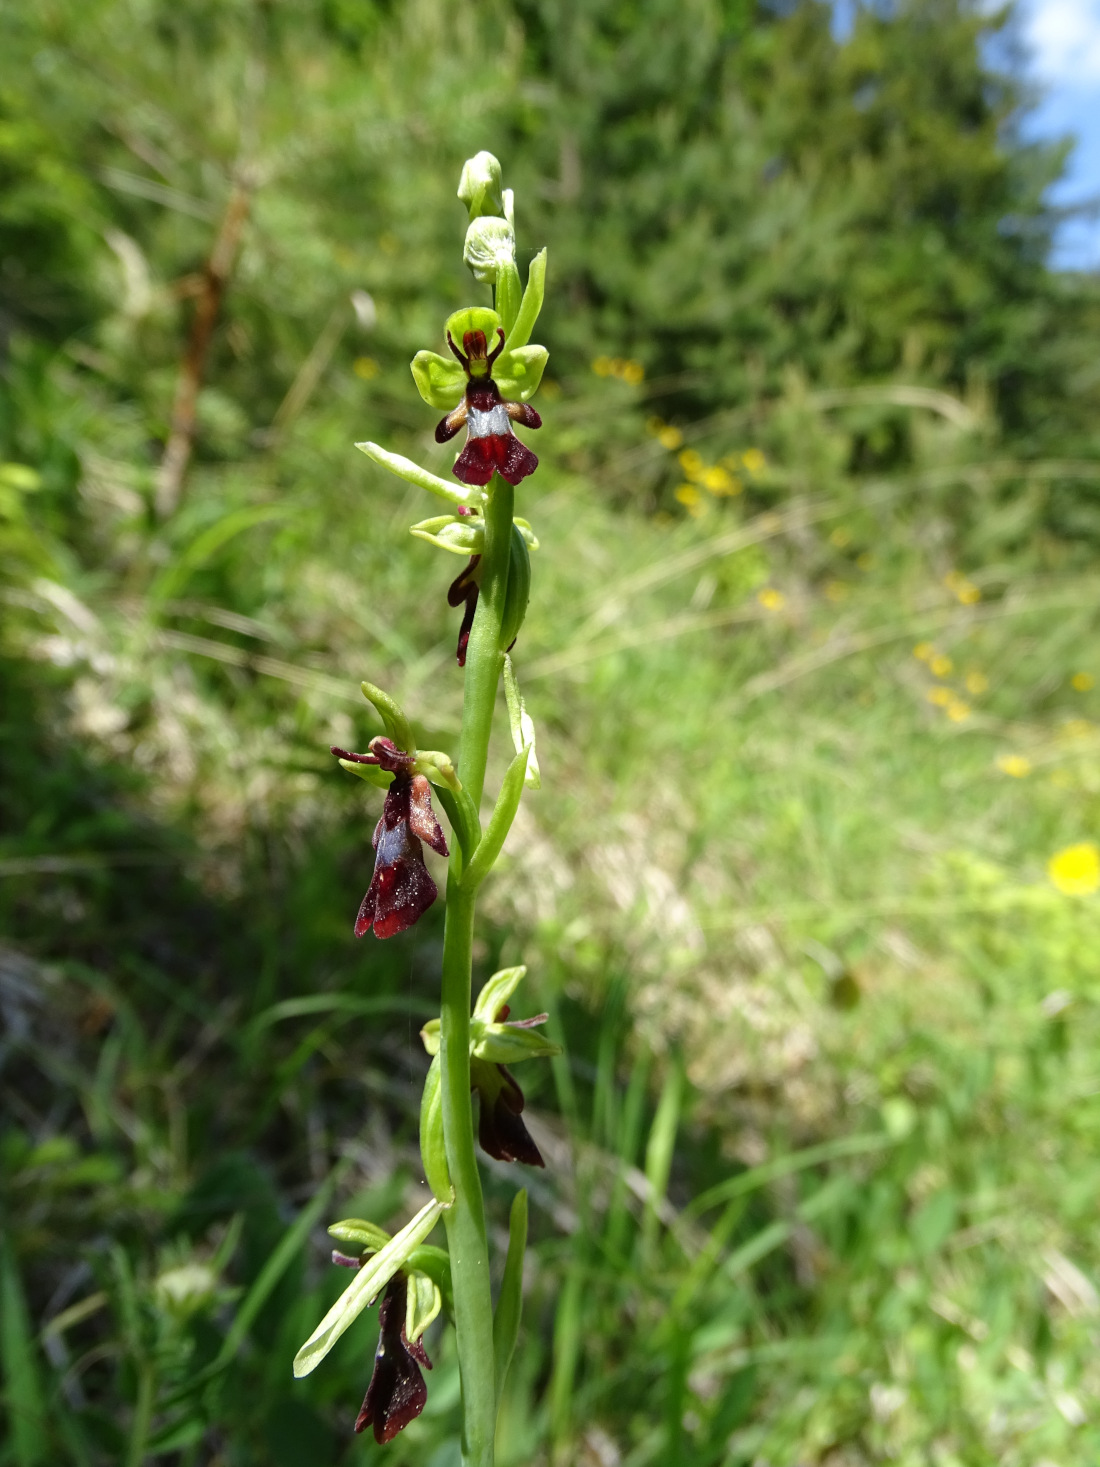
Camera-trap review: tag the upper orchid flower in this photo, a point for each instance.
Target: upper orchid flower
(491, 446)
(486, 388)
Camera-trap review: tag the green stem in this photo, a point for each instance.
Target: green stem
(465, 1219)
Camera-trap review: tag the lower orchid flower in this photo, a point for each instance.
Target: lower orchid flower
(397, 1392)
(401, 889)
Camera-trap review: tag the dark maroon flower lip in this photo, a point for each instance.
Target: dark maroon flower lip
(401, 889)
(501, 1131)
(491, 446)
(397, 1393)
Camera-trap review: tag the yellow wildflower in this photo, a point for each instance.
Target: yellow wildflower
(632, 372)
(968, 593)
(941, 666)
(841, 537)
(1014, 765)
(1082, 681)
(940, 696)
(771, 599)
(924, 651)
(958, 711)
(365, 367)
(1076, 869)
(692, 463)
(691, 499)
(976, 682)
(603, 366)
(670, 437)
(720, 481)
(754, 460)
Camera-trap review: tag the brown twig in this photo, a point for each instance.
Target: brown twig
(215, 277)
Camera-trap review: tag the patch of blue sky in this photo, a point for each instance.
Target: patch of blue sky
(1058, 44)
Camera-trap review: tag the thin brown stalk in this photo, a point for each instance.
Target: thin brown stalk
(215, 278)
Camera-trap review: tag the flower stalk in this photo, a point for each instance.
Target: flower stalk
(484, 384)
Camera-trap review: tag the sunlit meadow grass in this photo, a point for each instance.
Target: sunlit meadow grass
(810, 779)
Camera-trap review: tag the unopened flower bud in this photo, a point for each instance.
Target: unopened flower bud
(480, 186)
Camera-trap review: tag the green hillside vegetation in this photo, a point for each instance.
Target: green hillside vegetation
(810, 889)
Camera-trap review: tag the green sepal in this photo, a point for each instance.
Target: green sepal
(473, 318)
(524, 527)
(518, 591)
(435, 1262)
(497, 991)
(464, 819)
(429, 1037)
(412, 473)
(433, 1153)
(505, 1044)
(518, 372)
(393, 716)
(509, 1310)
(531, 304)
(367, 1283)
(521, 724)
(440, 382)
(480, 185)
(360, 1234)
(423, 1301)
(500, 823)
(463, 536)
(380, 778)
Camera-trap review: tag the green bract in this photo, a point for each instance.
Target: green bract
(367, 1283)
(465, 536)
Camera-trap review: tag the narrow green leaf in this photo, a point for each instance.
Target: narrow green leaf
(206, 544)
(510, 1304)
(521, 724)
(531, 304)
(433, 1153)
(463, 818)
(19, 1356)
(283, 1255)
(412, 473)
(500, 823)
(371, 1278)
(660, 1146)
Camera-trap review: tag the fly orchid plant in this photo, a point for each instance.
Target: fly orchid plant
(484, 385)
